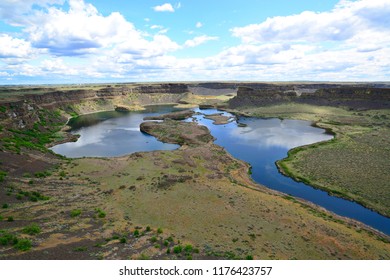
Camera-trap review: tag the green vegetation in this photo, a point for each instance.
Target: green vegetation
(153, 239)
(42, 133)
(32, 229)
(188, 249)
(80, 249)
(100, 213)
(177, 249)
(170, 239)
(3, 174)
(144, 257)
(136, 233)
(32, 196)
(8, 239)
(23, 245)
(75, 213)
(43, 174)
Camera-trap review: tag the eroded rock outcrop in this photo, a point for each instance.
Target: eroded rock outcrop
(20, 109)
(354, 97)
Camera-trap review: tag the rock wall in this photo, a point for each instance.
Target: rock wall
(23, 112)
(213, 88)
(354, 97)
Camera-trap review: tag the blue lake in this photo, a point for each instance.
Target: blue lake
(260, 143)
(111, 134)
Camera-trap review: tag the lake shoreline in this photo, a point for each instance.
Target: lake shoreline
(280, 170)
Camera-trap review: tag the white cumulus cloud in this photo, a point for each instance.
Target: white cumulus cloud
(14, 48)
(344, 22)
(167, 7)
(14, 11)
(78, 31)
(155, 26)
(199, 40)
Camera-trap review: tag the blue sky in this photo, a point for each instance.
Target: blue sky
(82, 41)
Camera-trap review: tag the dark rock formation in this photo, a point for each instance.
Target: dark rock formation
(353, 97)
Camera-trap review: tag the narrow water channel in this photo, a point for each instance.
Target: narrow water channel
(260, 143)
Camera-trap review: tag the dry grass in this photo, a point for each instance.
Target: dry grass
(205, 204)
(199, 195)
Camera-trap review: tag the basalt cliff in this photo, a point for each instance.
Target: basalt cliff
(357, 97)
(20, 109)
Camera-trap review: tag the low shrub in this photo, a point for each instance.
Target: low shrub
(32, 229)
(100, 213)
(153, 239)
(75, 213)
(8, 239)
(177, 249)
(23, 245)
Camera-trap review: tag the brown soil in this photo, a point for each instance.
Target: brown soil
(219, 118)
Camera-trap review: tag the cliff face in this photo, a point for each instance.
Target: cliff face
(162, 88)
(354, 97)
(71, 96)
(19, 115)
(22, 113)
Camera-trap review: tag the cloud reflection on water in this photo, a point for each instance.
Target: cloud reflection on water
(278, 133)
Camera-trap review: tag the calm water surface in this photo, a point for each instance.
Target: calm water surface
(260, 143)
(110, 134)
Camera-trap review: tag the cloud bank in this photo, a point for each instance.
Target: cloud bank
(57, 41)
